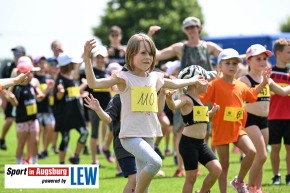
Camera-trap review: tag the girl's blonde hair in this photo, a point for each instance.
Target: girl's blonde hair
(133, 48)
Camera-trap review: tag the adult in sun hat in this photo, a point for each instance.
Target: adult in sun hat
(228, 121)
(17, 51)
(257, 124)
(279, 114)
(193, 51)
(116, 51)
(68, 109)
(24, 97)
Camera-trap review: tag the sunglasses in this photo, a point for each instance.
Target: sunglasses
(17, 53)
(52, 63)
(191, 27)
(114, 35)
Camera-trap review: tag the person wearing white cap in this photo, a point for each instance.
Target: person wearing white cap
(68, 109)
(192, 145)
(99, 58)
(279, 114)
(194, 51)
(227, 124)
(257, 123)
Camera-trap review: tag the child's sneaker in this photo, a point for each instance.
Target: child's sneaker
(74, 160)
(276, 180)
(167, 152)
(3, 145)
(288, 179)
(239, 187)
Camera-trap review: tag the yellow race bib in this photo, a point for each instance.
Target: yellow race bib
(200, 113)
(43, 87)
(51, 100)
(73, 91)
(101, 90)
(144, 99)
(265, 92)
(31, 109)
(233, 114)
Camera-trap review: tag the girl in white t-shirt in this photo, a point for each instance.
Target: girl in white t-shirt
(138, 89)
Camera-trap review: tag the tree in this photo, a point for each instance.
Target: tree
(135, 16)
(285, 26)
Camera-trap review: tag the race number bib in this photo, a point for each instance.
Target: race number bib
(101, 90)
(265, 92)
(31, 109)
(233, 114)
(200, 113)
(73, 91)
(51, 100)
(43, 87)
(144, 99)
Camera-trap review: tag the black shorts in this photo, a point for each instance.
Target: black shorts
(128, 166)
(8, 110)
(193, 151)
(279, 129)
(261, 122)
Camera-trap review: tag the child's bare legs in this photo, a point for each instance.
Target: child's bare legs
(260, 141)
(190, 178)
(131, 184)
(176, 146)
(215, 169)
(246, 145)
(47, 135)
(21, 140)
(33, 140)
(223, 153)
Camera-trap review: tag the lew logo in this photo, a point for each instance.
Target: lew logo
(51, 176)
(83, 176)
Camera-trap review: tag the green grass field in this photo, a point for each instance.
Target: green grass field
(110, 184)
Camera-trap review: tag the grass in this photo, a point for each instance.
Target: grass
(110, 184)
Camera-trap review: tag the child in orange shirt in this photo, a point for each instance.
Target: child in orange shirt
(227, 124)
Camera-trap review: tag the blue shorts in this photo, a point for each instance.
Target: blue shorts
(128, 166)
(45, 118)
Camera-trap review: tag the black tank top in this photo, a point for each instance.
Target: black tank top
(189, 118)
(264, 94)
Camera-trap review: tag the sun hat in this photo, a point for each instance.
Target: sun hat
(194, 70)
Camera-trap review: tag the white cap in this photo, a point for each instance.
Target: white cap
(229, 53)
(114, 66)
(171, 66)
(190, 21)
(100, 50)
(64, 59)
(257, 49)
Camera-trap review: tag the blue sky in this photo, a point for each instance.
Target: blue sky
(36, 23)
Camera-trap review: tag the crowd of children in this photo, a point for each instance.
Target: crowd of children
(49, 96)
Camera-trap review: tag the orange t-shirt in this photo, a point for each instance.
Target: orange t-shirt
(228, 122)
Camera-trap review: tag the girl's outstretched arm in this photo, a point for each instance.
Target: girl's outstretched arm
(94, 104)
(266, 75)
(277, 89)
(174, 104)
(8, 82)
(91, 79)
(180, 83)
